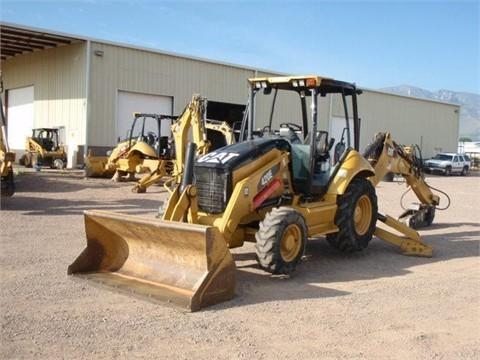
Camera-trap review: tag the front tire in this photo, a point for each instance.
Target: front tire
(281, 240)
(356, 217)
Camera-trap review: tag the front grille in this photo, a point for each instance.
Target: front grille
(213, 187)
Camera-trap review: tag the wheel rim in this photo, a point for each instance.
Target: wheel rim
(291, 243)
(363, 215)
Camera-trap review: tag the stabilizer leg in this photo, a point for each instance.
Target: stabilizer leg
(410, 243)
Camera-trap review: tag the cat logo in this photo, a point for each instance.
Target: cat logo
(217, 157)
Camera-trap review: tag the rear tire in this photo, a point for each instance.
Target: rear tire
(356, 217)
(281, 240)
(448, 171)
(464, 171)
(27, 160)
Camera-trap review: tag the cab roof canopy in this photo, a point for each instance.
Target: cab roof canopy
(324, 85)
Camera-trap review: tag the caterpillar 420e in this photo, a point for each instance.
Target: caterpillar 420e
(274, 188)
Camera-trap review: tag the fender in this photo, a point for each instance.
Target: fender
(352, 166)
(143, 148)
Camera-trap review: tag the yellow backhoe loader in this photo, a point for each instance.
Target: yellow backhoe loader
(207, 134)
(43, 148)
(144, 150)
(7, 158)
(130, 158)
(276, 188)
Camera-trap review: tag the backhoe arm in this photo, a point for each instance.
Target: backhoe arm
(192, 117)
(386, 156)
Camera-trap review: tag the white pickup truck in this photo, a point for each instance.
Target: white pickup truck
(448, 163)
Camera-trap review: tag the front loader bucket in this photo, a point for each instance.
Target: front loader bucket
(184, 264)
(95, 166)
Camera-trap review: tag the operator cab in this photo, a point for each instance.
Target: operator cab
(47, 138)
(312, 165)
(147, 128)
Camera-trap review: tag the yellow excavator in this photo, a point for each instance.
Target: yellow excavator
(137, 154)
(276, 188)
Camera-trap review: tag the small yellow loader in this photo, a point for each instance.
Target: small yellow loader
(43, 148)
(276, 188)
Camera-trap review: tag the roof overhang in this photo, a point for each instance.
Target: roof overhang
(16, 40)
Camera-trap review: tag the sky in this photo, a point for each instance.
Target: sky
(376, 44)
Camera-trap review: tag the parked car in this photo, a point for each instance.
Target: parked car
(448, 163)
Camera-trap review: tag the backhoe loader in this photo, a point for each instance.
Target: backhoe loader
(129, 158)
(207, 135)
(144, 149)
(276, 188)
(43, 148)
(7, 158)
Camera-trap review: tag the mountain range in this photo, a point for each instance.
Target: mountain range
(469, 102)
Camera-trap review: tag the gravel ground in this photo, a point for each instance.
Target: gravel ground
(376, 304)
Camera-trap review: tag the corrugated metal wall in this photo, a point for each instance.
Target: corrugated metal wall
(58, 76)
(59, 79)
(121, 68)
(431, 125)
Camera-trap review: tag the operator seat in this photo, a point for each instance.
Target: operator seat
(290, 135)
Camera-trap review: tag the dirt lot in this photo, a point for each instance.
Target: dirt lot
(375, 304)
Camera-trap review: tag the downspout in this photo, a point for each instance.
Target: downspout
(87, 96)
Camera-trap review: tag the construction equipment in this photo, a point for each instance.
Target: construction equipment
(7, 158)
(386, 156)
(207, 134)
(276, 188)
(43, 148)
(146, 150)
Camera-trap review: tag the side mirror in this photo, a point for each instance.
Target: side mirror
(321, 144)
(330, 144)
(338, 152)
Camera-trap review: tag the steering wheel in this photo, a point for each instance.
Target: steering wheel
(292, 126)
(151, 138)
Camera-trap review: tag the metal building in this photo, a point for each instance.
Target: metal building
(91, 88)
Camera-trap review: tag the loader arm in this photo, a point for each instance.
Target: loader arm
(386, 156)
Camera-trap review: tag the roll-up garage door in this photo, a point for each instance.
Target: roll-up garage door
(20, 116)
(131, 102)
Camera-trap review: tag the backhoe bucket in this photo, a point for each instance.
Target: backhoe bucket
(183, 264)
